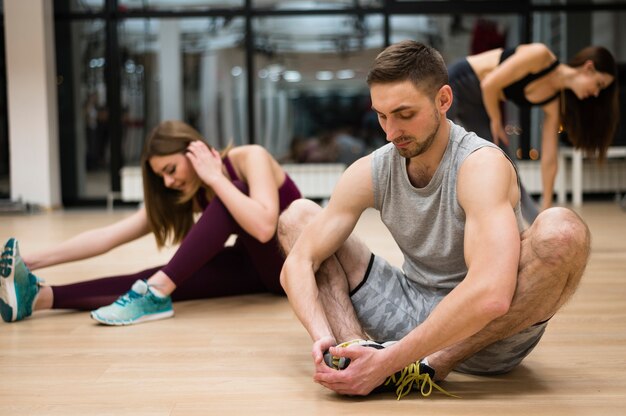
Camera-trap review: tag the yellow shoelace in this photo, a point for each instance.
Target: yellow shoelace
(410, 376)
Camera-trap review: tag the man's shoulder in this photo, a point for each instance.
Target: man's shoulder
(468, 139)
(384, 149)
(382, 154)
(486, 162)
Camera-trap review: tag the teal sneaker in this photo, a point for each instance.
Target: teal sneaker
(141, 303)
(18, 286)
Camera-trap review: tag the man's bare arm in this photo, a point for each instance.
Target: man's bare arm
(322, 238)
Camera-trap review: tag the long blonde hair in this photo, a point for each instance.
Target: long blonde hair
(170, 212)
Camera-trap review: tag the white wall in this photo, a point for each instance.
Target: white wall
(32, 102)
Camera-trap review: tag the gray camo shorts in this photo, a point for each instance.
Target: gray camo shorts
(389, 306)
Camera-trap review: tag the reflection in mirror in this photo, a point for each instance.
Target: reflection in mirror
(312, 100)
(78, 6)
(182, 69)
(459, 36)
(89, 90)
(179, 5)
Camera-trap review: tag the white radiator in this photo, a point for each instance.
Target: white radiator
(315, 180)
(132, 184)
(608, 177)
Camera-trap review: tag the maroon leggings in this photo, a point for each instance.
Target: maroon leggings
(201, 267)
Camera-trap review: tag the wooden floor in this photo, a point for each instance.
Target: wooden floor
(249, 355)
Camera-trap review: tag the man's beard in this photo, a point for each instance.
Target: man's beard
(422, 147)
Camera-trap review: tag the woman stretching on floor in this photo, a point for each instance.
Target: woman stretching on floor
(240, 191)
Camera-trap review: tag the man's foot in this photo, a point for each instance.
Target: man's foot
(141, 303)
(415, 376)
(18, 286)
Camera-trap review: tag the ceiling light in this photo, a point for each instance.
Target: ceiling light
(292, 76)
(345, 74)
(324, 75)
(236, 71)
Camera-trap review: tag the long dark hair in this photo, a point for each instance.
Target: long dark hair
(170, 213)
(591, 123)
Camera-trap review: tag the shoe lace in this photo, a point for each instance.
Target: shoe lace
(129, 297)
(410, 376)
(6, 261)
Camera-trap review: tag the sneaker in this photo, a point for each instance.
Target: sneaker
(340, 363)
(141, 303)
(418, 375)
(415, 376)
(18, 286)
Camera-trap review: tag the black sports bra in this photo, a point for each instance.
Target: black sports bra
(515, 91)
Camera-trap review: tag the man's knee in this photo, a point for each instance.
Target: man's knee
(559, 234)
(292, 220)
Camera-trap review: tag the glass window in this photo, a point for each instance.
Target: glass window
(574, 2)
(457, 36)
(308, 72)
(189, 69)
(83, 111)
(312, 99)
(457, 3)
(179, 5)
(568, 32)
(310, 5)
(78, 6)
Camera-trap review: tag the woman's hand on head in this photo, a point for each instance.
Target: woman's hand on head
(206, 161)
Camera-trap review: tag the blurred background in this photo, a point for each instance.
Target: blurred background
(289, 75)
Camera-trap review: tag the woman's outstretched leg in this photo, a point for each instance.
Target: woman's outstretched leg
(229, 273)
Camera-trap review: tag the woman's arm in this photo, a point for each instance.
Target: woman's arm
(526, 59)
(549, 151)
(256, 213)
(91, 243)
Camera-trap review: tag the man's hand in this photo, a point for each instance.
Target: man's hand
(365, 372)
(320, 347)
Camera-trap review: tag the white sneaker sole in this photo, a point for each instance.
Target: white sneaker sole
(7, 288)
(144, 318)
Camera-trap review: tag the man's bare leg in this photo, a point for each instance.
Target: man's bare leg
(336, 276)
(553, 257)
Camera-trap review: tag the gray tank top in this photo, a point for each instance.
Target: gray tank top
(427, 223)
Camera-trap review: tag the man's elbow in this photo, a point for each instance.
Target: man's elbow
(284, 280)
(495, 307)
(296, 272)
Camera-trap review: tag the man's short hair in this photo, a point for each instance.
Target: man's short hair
(413, 61)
